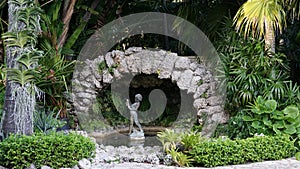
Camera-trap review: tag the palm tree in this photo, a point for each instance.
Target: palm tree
(21, 61)
(261, 18)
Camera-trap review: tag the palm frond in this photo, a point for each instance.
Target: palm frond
(255, 15)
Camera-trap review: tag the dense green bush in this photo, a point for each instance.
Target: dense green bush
(221, 152)
(55, 150)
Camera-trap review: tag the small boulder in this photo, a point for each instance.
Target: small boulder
(84, 164)
(45, 167)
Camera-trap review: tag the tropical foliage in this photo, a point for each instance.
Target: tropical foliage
(251, 72)
(258, 42)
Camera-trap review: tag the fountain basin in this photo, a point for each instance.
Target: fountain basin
(120, 137)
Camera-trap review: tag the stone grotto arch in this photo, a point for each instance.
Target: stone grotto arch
(91, 76)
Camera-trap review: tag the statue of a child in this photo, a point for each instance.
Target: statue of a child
(133, 112)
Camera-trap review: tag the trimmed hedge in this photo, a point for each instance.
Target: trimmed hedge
(56, 150)
(227, 152)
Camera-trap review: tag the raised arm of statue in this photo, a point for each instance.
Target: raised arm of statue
(134, 106)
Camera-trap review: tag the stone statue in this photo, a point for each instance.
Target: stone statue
(134, 116)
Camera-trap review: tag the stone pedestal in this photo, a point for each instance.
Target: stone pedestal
(137, 135)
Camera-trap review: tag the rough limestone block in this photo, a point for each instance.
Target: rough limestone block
(94, 66)
(86, 84)
(157, 58)
(194, 65)
(109, 60)
(91, 91)
(201, 90)
(217, 117)
(200, 71)
(96, 82)
(133, 64)
(215, 100)
(182, 63)
(210, 110)
(116, 53)
(176, 75)
(122, 67)
(84, 95)
(146, 62)
(167, 66)
(85, 72)
(132, 50)
(107, 77)
(200, 103)
(99, 59)
(185, 79)
(207, 77)
(117, 74)
(194, 84)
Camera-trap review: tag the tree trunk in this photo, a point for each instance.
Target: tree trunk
(67, 15)
(19, 100)
(269, 38)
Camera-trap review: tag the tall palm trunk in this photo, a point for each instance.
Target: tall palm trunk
(269, 39)
(19, 100)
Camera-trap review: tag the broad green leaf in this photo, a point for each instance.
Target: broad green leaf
(248, 118)
(271, 106)
(279, 124)
(260, 100)
(297, 155)
(291, 112)
(267, 121)
(298, 132)
(256, 125)
(289, 119)
(290, 129)
(279, 115)
(297, 122)
(275, 129)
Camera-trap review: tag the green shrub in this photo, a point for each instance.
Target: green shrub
(54, 149)
(226, 152)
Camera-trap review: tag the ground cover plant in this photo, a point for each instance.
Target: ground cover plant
(264, 117)
(56, 150)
